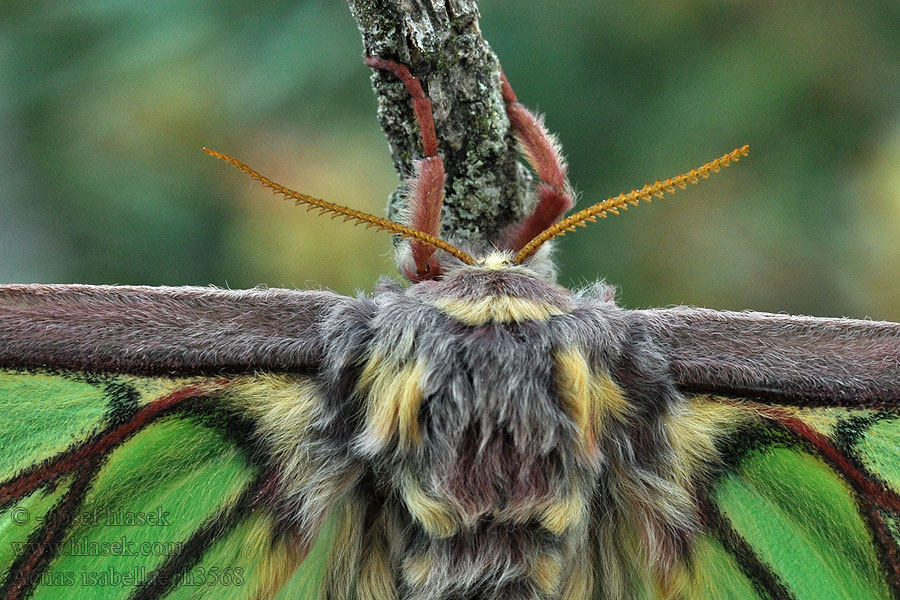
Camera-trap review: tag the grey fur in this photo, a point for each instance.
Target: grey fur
(793, 360)
(145, 330)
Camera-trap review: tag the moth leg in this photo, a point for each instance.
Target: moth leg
(542, 151)
(427, 184)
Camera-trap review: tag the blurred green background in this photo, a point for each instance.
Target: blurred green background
(104, 106)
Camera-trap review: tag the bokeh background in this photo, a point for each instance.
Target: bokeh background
(105, 104)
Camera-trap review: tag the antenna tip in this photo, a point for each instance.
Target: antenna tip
(215, 154)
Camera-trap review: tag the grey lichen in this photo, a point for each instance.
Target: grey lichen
(442, 44)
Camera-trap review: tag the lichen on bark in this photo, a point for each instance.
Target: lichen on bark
(441, 43)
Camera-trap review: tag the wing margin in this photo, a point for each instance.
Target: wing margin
(790, 360)
(162, 330)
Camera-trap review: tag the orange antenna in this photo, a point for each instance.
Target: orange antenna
(621, 202)
(349, 214)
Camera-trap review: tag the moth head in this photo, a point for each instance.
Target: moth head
(422, 255)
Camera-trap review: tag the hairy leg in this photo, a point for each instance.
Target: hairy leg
(543, 154)
(427, 184)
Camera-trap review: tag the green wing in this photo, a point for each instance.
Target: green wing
(800, 496)
(134, 487)
(806, 506)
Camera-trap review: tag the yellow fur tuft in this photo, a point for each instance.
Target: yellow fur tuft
(546, 571)
(495, 261)
(416, 569)
(283, 408)
(495, 309)
(344, 557)
(590, 399)
(435, 517)
(376, 579)
(278, 557)
(694, 430)
(563, 514)
(579, 584)
(395, 395)
(676, 583)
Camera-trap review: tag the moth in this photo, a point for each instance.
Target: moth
(481, 433)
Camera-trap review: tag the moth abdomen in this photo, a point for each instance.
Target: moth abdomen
(488, 560)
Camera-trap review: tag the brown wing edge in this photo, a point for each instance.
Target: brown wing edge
(781, 359)
(162, 330)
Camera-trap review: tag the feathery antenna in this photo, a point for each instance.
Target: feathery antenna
(349, 214)
(621, 202)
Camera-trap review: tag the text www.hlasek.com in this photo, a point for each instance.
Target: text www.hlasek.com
(84, 547)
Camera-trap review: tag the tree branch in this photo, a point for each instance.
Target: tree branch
(441, 43)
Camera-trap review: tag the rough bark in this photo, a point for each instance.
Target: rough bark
(442, 44)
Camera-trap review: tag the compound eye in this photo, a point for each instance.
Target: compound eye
(423, 270)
